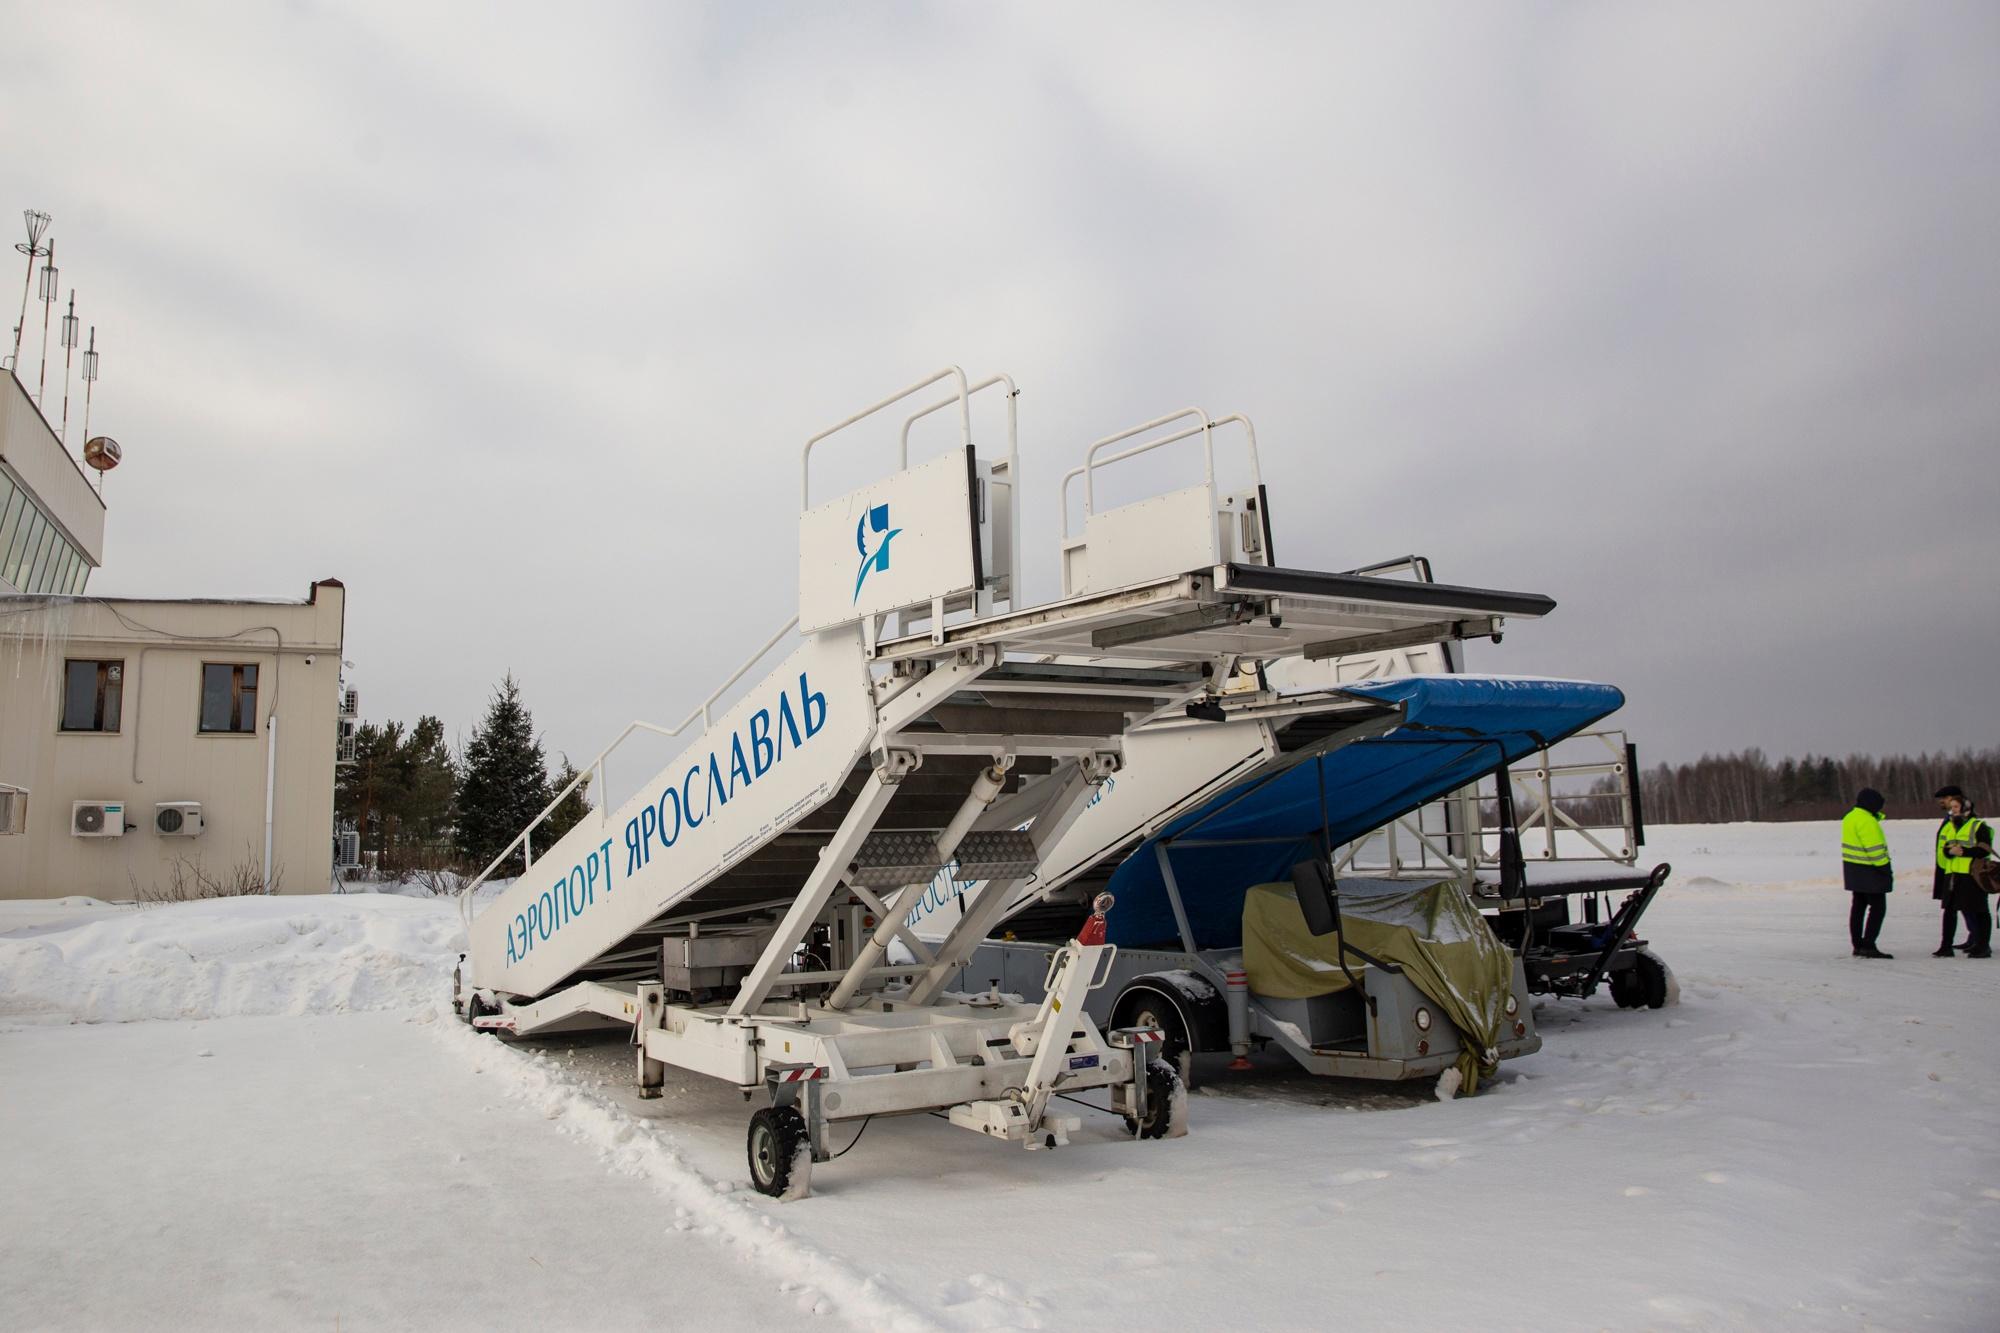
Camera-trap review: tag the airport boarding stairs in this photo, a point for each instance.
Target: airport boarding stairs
(738, 910)
(925, 718)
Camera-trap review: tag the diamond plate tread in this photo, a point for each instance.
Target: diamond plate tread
(891, 859)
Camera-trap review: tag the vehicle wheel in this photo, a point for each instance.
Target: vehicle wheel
(1627, 989)
(473, 1010)
(780, 1153)
(1655, 982)
(1166, 1105)
(1149, 1011)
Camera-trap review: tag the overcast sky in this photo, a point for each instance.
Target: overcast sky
(514, 317)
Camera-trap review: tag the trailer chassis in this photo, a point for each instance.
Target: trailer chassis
(986, 1064)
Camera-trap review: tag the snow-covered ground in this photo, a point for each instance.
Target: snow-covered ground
(302, 1137)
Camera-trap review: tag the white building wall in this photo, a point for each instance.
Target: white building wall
(158, 752)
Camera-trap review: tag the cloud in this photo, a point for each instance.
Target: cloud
(516, 320)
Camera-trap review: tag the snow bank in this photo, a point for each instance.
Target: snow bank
(310, 954)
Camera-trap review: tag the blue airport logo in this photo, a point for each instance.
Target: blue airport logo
(876, 520)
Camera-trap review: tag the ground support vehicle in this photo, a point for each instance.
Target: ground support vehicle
(1552, 859)
(736, 911)
(1181, 897)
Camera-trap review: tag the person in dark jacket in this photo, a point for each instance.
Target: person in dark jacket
(1864, 865)
(1963, 840)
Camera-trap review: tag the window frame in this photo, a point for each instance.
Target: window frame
(11, 510)
(236, 693)
(62, 709)
(24, 538)
(31, 569)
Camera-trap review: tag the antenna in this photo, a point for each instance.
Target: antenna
(89, 381)
(38, 225)
(47, 296)
(69, 350)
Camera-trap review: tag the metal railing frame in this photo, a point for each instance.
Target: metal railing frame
(963, 398)
(524, 840)
(1548, 819)
(1206, 429)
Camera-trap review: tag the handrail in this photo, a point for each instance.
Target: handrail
(964, 412)
(942, 403)
(1250, 443)
(1088, 468)
(1420, 565)
(1013, 465)
(737, 675)
(1207, 449)
(596, 768)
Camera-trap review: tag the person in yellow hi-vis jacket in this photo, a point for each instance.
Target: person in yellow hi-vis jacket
(1962, 839)
(1864, 858)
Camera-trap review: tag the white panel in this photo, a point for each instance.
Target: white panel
(899, 542)
(763, 766)
(1297, 673)
(1149, 539)
(1165, 771)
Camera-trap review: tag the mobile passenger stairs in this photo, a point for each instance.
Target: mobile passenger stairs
(736, 911)
(1486, 794)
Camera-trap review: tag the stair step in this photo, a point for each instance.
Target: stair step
(891, 859)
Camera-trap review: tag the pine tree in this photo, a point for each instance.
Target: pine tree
(367, 791)
(573, 807)
(428, 781)
(504, 782)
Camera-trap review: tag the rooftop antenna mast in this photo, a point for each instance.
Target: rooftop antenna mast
(101, 453)
(47, 296)
(89, 379)
(38, 226)
(69, 350)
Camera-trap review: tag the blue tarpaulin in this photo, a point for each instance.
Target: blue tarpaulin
(1453, 730)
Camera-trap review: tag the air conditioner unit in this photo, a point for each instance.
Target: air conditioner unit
(13, 809)
(177, 819)
(97, 819)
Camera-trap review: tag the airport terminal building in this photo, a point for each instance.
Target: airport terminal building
(150, 748)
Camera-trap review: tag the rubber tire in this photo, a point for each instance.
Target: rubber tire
(776, 1135)
(1163, 1089)
(1627, 988)
(1652, 975)
(1150, 1011)
(474, 1009)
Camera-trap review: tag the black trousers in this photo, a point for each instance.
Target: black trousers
(1864, 918)
(1967, 900)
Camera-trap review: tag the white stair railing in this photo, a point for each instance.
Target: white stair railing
(524, 840)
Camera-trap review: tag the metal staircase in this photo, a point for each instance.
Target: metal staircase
(924, 719)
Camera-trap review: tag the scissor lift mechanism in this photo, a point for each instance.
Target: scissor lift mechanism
(769, 967)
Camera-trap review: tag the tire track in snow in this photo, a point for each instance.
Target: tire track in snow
(825, 1282)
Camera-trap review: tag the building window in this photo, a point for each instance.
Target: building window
(93, 695)
(13, 504)
(228, 696)
(27, 534)
(31, 577)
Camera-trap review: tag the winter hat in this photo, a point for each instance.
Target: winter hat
(1943, 792)
(1870, 800)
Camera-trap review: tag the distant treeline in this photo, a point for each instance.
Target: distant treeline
(1718, 789)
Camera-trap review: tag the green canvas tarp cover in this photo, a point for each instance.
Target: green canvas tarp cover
(1431, 931)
